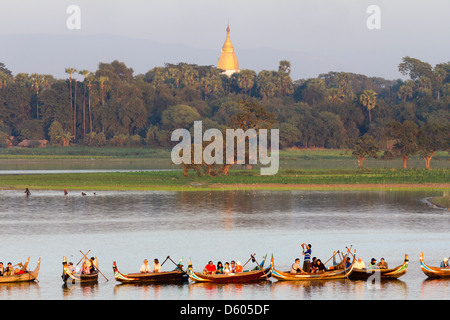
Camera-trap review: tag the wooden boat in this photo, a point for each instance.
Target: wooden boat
(257, 274)
(433, 272)
(81, 278)
(176, 276)
(25, 275)
(340, 272)
(382, 274)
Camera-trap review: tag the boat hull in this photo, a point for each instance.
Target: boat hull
(27, 276)
(167, 277)
(434, 272)
(241, 277)
(382, 274)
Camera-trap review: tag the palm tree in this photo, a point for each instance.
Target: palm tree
(71, 71)
(38, 81)
(369, 100)
(90, 78)
(102, 81)
(246, 80)
(84, 73)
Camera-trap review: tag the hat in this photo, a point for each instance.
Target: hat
(238, 263)
(373, 259)
(445, 259)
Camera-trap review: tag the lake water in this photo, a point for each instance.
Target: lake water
(130, 226)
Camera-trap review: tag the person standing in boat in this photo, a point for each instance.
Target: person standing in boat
(306, 252)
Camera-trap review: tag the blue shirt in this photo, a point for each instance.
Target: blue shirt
(308, 255)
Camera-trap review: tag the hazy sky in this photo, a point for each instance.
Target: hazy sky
(327, 29)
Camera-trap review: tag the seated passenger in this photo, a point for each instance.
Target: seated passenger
(85, 268)
(145, 268)
(372, 264)
(9, 271)
(238, 267)
(2, 269)
(382, 264)
(156, 266)
(219, 268)
(320, 267)
(226, 268)
(444, 263)
(295, 268)
(360, 264)
(210, 268)
(92, 265)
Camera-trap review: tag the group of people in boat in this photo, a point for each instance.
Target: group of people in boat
(9, 269)
(145, 268)
(309, 266)
(359, 264)
(88, 267)
(232, 267)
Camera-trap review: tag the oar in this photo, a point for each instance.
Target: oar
(335, 252)
(176, 264)
(97, 266)
(165, 261)
(257, 263)
(251, 257)
(82, 258)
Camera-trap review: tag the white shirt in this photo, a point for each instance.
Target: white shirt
(145, 268)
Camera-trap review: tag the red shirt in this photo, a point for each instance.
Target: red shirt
(210, 268)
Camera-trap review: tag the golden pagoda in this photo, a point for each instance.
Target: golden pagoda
(228, 60)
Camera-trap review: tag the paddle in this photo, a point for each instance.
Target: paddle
(82, 258)
(97, 265)
(254, 260)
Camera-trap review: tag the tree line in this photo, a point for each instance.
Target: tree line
(112, 106)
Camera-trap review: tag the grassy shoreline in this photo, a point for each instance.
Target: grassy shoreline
(317, 179)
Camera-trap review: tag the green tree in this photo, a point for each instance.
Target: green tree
(431, 138)
(405, 139)
(365, 147)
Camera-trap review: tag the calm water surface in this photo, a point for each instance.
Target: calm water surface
(128, 227)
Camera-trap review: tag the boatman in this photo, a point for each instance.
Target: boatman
(306, 251)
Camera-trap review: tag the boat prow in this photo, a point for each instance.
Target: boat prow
(433, 272)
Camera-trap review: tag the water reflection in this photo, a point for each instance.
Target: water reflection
(435, 289)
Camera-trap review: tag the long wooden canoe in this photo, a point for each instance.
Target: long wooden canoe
(80, 278)
(338, 273)
(26, 276)
(176, 276)
(240, 277)
(257, 274)
(382, 274)
(433, 272)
